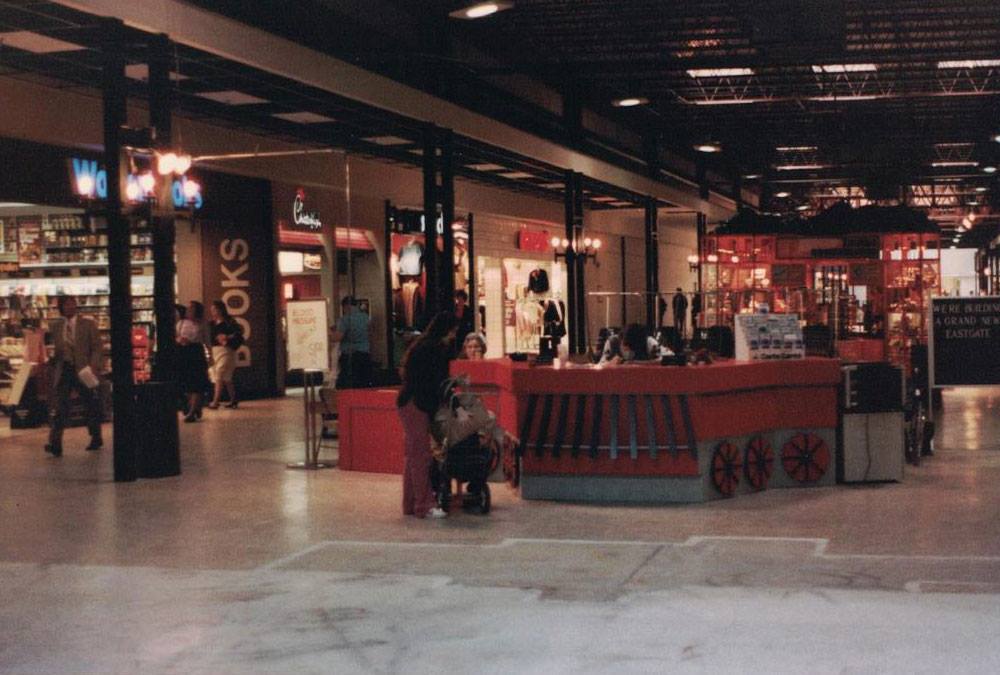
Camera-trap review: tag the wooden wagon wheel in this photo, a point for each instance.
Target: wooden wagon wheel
(726, 467)
(805, 457)
(759, 463)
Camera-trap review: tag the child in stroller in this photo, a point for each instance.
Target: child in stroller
(468, 439)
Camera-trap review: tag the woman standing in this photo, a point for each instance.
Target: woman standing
(227, 337)
(424, 369)
(192, 365)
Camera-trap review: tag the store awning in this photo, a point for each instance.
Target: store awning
(297, 238)
(354, 239)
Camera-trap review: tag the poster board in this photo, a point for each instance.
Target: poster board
(965, 341)
(308, 334)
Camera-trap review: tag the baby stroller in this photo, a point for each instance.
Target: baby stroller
(469, 439)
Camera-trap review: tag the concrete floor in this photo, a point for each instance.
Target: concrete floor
(240, 565)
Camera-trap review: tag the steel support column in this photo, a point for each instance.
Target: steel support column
(446, 198)
(652, 263)
(702, 226)
(119, 260)
(431, 292)
(575, 289)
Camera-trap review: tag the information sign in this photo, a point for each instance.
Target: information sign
(308, 335)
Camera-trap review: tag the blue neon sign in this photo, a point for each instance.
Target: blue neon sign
(90, 180)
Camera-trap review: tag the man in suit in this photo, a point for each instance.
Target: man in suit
(78, 346)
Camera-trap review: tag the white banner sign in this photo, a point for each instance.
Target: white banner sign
(308, 335)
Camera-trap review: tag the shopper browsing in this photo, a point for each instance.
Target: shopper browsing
(76, 366)
(192, 366)
(424, 370)
(354, 367)
(227, 337)
(473, 347)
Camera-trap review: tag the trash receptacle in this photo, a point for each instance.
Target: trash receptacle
(157, 438)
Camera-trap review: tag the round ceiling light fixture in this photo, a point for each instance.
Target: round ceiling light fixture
(480, 10)
(990, 168)
(982, 188)
(784, 194)
(996, 137)
(751, 176)
(711, 146)
(630, 102)
(802, 207)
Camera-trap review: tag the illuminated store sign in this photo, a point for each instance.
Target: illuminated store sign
(91, 181)
(301, 217)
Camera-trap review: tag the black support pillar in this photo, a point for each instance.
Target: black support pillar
(652, 264)
(702, 226)
(439, 200)
(164, 233)
(575, 286)
(119, 260)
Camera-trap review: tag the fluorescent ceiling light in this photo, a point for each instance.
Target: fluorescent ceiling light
(480, 10)
(36, 43)
(387, 140)
(802, 207)
(783, 194)
(990, 169)
(603, 199)
(801, 167)
(846, 68)
(970, 63)
(751, 176)
(231, 97)
(953, 145)
(14, 205)
(516, 174)
(552, 186)
(954, 163)
(796, 148)
(720, 72)
(981, 189)
(729, 101)
(620, 203)
(848, 97)
(304, 117)
(486, 167)
(630, 102)
(140, 71)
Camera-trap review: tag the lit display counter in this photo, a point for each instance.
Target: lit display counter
(637, 433)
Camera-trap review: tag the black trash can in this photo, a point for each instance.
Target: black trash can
(157, 438)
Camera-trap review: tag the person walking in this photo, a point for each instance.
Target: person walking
(354, 366)
(76, 367)
(192, 366)
(424, 370)
(227, 337)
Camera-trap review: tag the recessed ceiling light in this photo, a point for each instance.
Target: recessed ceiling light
(796, 148)
(480, 10)
(516, 174)
(981, 189)
(600, 198)
(36, 43)
(231, 97)
(708, 147)
(720, 72)
(990, 169)
(751, 176)
(802, 207)
(486, 167)
(801, 167)
(630, 102)
(140, 71)
(997, 138)
(387, 140)
(955, 164)
(304, 117)
(782, 194)
(618, 203)
(552, 186)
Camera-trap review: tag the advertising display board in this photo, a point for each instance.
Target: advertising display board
(308, 335)
(965, 341)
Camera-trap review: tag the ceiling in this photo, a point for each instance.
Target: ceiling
(823, 100)
(44, 41)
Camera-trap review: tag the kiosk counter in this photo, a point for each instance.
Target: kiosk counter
(636, 433)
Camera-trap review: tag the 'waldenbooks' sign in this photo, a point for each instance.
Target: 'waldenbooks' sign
(965, 335)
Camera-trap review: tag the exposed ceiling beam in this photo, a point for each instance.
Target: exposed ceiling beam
(229, 39)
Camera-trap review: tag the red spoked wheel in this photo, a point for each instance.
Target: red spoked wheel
(805, 457)
(759, 463)
(726, 467)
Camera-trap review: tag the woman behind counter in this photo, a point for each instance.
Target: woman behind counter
(424, 369)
